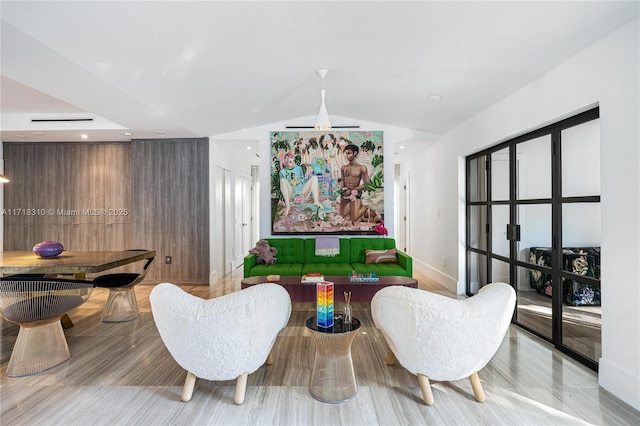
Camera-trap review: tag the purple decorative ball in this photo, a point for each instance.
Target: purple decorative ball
(48, 249)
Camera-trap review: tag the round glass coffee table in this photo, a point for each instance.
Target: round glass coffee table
(333, 379)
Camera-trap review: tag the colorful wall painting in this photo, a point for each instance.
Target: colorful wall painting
(326, 182)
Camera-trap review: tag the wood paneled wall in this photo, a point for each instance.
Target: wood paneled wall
(113, 196)
(171, 182)
(58, 192)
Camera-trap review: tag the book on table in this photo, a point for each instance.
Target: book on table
(363, 278)
(312, 277)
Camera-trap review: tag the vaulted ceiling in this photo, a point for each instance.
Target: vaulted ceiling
(193, 69)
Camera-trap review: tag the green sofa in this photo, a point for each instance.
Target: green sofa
(297, 256)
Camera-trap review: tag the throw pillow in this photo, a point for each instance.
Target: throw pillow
(381, 256)
(265, 254)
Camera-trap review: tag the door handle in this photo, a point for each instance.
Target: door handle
(513, 232)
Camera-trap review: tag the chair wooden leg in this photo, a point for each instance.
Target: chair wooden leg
(425, 387)
(478, 392)
(189, 384)
(241, 388)
(270, 358)
(391, 358)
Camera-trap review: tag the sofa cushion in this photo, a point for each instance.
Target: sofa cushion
(381, 256)
(310, 252)
(290, 250)
(284, 269)
(328, 268)
(358, 246)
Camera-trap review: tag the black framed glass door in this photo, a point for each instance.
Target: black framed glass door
(533, 222)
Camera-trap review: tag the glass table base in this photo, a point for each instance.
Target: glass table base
(333, 379)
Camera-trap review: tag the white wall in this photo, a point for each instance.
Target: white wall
(605, 74)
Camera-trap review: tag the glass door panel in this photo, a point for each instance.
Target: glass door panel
(500, 175)
(581, 160)
(478, 179)
(581, 225)
(535, 228)
(533, 306)
(500, 271)
(477, 271)
(499, 221)
(582, 330)
(533, 168)
(477, 227)
(581, 290)
(534, 287)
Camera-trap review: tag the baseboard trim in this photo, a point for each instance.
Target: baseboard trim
(213, 277)
(450, 283)
(619, 382)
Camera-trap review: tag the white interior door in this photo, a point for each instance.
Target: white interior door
(242, 219)
(402, 210)
(246, 216)
(255, 206)
(228, 223)
(219, 225)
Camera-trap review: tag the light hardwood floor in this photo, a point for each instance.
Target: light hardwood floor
(122, 374)
(581, 325)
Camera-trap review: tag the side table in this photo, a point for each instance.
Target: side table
(333, 379)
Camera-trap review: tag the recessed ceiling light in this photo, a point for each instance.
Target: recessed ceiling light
(20, 136)
(38, 133)
(401, 146)
(84, 136)
(248, 147)
(435, 97)
(127, 133)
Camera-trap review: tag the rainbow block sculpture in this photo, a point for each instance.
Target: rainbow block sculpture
(325, 304)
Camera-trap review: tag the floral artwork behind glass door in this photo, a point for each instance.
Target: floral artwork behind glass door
(326, 182)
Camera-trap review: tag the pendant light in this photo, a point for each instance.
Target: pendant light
(323, 116)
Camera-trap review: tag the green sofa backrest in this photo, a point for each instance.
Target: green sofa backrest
(358, 245)
(310, 252)
(301, 250)
(290, 250)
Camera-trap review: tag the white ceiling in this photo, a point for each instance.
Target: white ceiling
(162, 69)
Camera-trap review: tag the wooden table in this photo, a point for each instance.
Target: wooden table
(78, 263)
(360, 292)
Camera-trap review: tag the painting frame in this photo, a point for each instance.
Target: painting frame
(326, 182)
